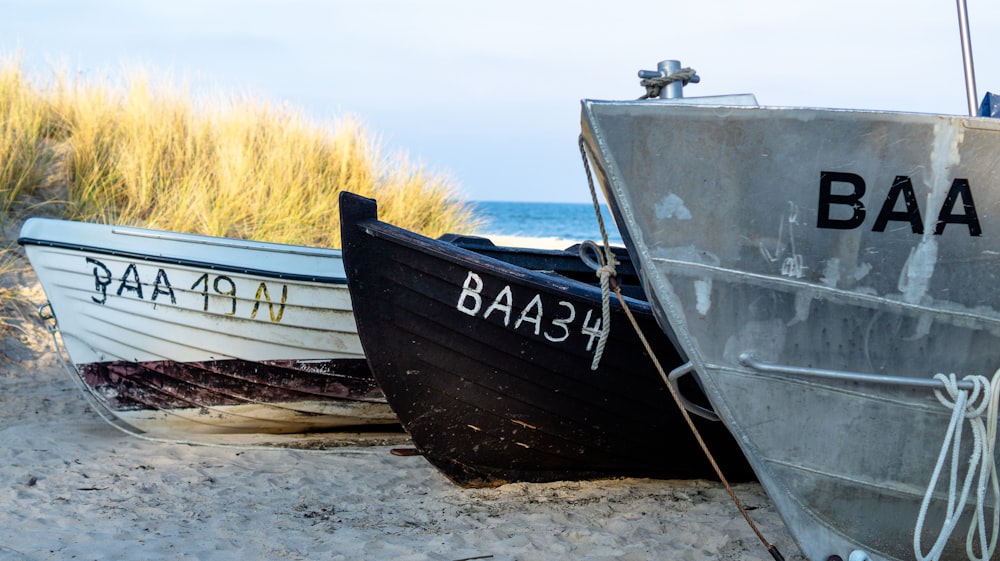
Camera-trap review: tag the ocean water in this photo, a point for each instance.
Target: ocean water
(569, 221)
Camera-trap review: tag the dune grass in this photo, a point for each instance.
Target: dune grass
(144, 152)
(24, 121)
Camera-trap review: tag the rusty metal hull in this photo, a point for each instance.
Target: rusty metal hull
(819, 267)
(488, 363)
(177, 333)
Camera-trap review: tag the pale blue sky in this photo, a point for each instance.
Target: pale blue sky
(488, 92)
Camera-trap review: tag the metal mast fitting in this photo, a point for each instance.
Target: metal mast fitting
(667, 81)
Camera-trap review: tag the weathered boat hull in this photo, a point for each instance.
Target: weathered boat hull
(819, 267)
(488, 364)
(177, 334)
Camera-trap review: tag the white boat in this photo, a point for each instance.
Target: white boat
(179, 334)
(820, 268)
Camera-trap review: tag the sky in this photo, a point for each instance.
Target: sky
(488, 93)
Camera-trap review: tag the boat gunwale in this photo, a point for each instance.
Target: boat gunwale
(973, 121)
(193, 263)
(456, 254)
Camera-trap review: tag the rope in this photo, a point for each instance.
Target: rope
(102, 411)
(607, 262)
(979, 523)
(773, 550)
(965, 406)
(655, 85)
(604, 266)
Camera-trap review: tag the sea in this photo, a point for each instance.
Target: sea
(566, 221)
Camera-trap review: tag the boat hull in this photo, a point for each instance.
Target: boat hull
(819, 267)
(177, 333)
(488, 365)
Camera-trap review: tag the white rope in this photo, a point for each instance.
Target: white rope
(970, 406)
(986, 548)
(604, 272)
(604, 264)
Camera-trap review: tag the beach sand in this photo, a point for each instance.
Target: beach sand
(74, 487)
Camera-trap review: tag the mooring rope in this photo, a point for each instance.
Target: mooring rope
(966, 405)
(772, 549)
(986, 549)
(102, 412)
(604, 266)
(655, 85)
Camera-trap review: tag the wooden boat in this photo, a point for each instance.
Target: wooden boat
(178, 334)
(820, 268)
(487, 363)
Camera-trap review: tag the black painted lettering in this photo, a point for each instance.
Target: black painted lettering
(828, 198)
(262, 291)
(900, 186)
(230, 292)
(959, 188)
(162, 286)
(130, 281)
(102, 278)
(203, 281)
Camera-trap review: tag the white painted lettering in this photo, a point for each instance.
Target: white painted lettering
(536, 319)
(471, 288)
(562, 323)
(503, 302)
(591, 330)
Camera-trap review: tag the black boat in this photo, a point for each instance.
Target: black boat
(487, 363)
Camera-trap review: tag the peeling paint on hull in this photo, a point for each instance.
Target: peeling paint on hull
(178, 333)
(233, 395)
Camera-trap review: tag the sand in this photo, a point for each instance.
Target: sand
(74, 487)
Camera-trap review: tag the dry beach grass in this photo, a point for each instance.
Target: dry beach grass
(141, 151)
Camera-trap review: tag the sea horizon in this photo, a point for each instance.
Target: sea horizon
(564, 221)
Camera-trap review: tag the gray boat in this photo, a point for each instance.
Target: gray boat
(821, 268)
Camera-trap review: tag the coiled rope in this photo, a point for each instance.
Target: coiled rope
(655, 85)
(966, 405)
